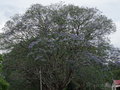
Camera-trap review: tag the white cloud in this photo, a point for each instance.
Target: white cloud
(116, 36)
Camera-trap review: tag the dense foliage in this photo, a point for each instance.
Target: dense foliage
(3, 84)
(66, 43)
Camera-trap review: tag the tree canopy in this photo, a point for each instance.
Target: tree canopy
(67, 43)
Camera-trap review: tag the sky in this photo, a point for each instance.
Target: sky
(109, 8)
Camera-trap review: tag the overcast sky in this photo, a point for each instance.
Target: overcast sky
(110, 8)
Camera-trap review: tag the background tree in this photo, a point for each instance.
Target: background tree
(3, 84)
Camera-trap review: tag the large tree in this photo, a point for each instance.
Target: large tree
(58, 40)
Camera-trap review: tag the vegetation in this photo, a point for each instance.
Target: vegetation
(3, 84)
(65, 47)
